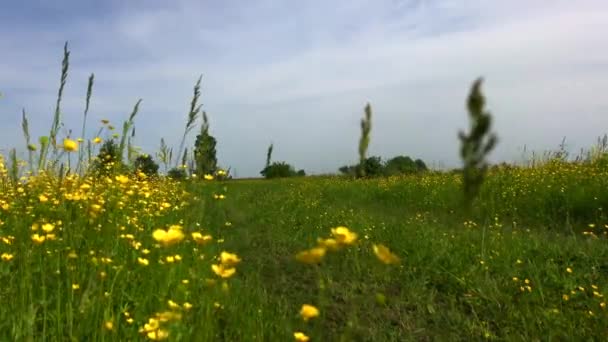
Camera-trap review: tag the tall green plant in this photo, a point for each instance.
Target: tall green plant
(165, 154)
(52, 138)
(84, 121)
(269, 155)
(192, 114)
(30, 147)
(366, 127)
(126, 126)
(476, 145)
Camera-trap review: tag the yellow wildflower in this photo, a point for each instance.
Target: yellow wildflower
(70, 145)
(7, 257)
(229, 259)
(300, 336)
(385, 255)
(308, 312)
(311, 256)
(168, 237)
(222, 271)
(48, 227)
(343, 235)
(200, 238)
(38, 239)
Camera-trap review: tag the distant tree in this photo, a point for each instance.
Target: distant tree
(372, 167)
(421, 165)
(301, 173)
(404, 165)
(177, 173)
(204, 150)
(279, 170)
(348, 170)
(146, 164)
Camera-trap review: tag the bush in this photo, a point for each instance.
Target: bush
(177, 173)
(404, 165)
(280, 170)
(146, 164)
(108, 160)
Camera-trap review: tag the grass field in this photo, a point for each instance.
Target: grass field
(82, 259)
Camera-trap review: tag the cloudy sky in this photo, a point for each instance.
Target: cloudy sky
(298, 73)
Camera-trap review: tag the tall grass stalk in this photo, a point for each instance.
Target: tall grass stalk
(57, 117)
(81, 152)
(195, 109)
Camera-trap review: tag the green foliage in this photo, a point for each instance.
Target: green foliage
(126, 126)
(281, 170)
(165, 154)
(374, 167)
(57, 116)
(146, 164)
(195, 108)
(366, 127)
(476, 145)
(108, 160)
(177, 173)
(84, 119)
(204, 150)
(269, 155)
(403, 165)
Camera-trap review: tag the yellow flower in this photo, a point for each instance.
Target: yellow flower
(97, 140)
(229, 259)
(143, 261)
(222, 271)
(308, 311)
(48, 227)
(311, 256)
(187, 306)
(38, 239)
(208, 177)
(7, 257)
(70, 145)
(168, 237)
(568, 269)
(122, 179)
(300, 337)
(330, 244)
(158, 335)
(172, 305)
(75, 286)
(200, 238)
(385, 255)
(109, 325)
(153, 324)
(344, 236)
(42, 198)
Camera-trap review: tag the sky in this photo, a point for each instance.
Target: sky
(299, 73)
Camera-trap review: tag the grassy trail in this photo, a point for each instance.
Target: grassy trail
(455, 282)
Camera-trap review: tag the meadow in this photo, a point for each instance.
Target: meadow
(121, 255)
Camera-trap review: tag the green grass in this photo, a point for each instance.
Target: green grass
(455, 281)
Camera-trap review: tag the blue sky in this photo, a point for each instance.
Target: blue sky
(299, 73)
